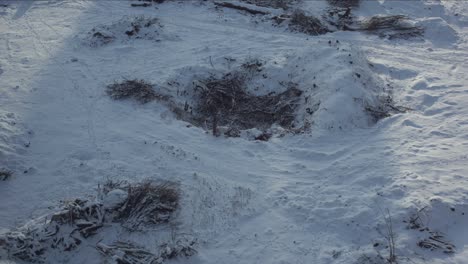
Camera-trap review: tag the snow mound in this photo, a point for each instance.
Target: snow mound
(126, 29)
(338, 89)
(439, 32)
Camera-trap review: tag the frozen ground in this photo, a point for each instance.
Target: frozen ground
(319, 197)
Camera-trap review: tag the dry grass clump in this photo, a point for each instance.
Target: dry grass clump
(137, 89)
(5, 174)
(226, 102)
(307, 24)
(393, 26)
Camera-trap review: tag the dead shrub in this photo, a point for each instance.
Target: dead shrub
(148, 203)
(226, 102)
(137, 89)
(5, 174)
(394, 26)
(307, 24)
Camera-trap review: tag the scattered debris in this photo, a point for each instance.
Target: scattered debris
(393, 26)
(148, 204)
(307, 24)
(139, 27)
(344, 3)
(437, 241)
(137, 89)
(226, 102)
(128, 252)
(242, 8)
(385, 108)
(143, 204)
(5, 174)
(284, 4)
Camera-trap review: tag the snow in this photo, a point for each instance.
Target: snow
(318, 197)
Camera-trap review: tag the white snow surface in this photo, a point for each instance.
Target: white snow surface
(318, 197)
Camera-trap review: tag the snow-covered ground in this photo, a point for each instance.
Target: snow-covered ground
(318, 197)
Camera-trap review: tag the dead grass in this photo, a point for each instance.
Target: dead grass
(394, 26)
(307, 24)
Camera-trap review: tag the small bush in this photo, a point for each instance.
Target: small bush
(307, 24)
(5, 174)
(394, 26)
(139, 90)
